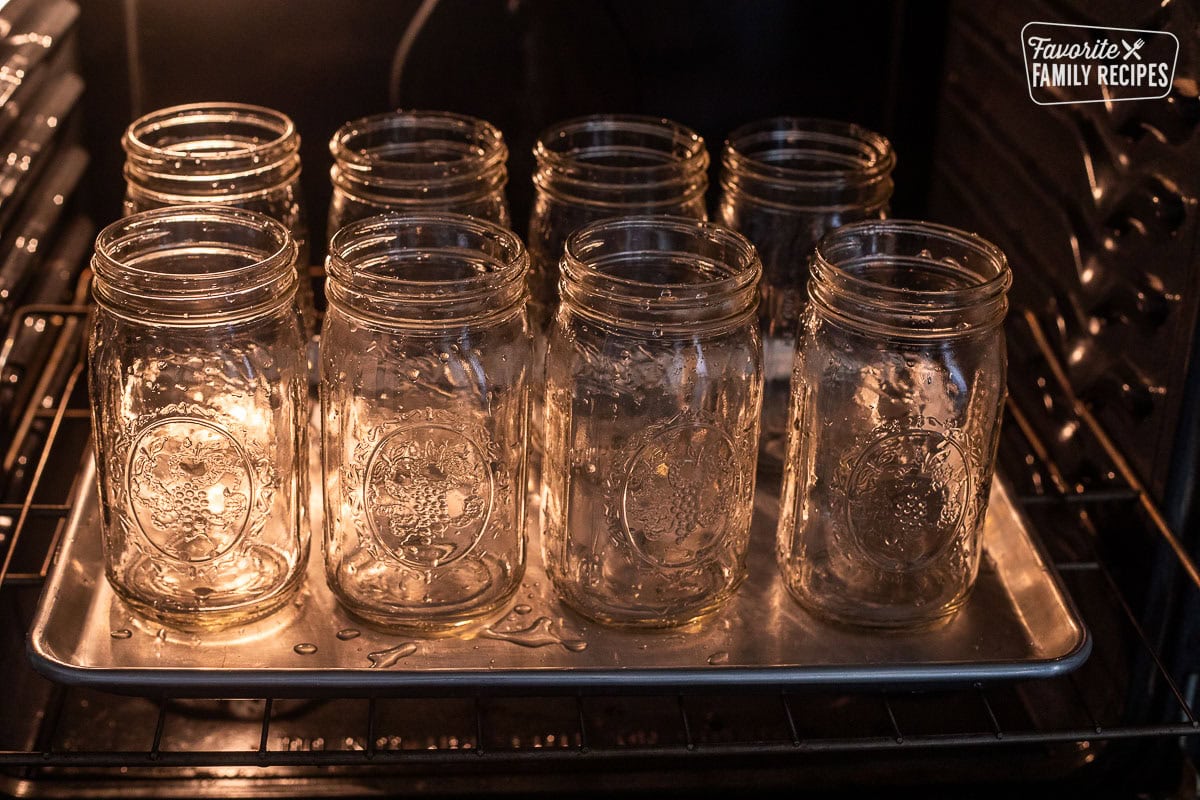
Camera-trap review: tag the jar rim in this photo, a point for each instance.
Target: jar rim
(125, 277)
(682, 306)
(967, 241)
(670, 134)
(941, 282)
(489, 264)
(420, 124)
(284, 142)
(865, 157)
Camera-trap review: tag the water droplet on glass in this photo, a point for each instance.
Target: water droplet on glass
(121, 633)
(346, 634)
(305, 648)
(382, 659)
(523, 609)
(719, 657)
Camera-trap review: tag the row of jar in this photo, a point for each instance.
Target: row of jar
(653, 392)
(784, 182)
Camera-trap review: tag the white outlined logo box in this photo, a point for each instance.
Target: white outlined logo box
(1067, 63)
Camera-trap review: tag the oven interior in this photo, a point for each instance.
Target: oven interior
(1095, 205)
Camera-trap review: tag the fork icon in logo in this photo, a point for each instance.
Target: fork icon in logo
(1132, 50)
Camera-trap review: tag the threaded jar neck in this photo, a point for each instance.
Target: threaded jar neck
(194, 265)
(210, 153)
(418, 158)
(670, 276)
(808, 164)
(909, 280)
(426, 271)
(622, 162)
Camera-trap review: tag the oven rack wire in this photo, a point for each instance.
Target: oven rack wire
(1126, 691)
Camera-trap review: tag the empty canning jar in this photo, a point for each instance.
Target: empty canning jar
(424, 364)
(654, 380)
(198, 384)
(785, 182)
(897, 392)
(224, 153)
(592, 168)
(418, 161)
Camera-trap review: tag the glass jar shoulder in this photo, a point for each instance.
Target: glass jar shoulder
(647, 377)
(261, 351)
(345, 208)
(493, 352)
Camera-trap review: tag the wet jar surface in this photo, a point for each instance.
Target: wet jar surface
(897, 393)
(424, 397)
(653, 389)
(198, 383)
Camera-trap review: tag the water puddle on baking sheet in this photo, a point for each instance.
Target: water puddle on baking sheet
(382, 659)
(541, 633)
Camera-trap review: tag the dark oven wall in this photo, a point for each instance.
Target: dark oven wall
(521, 64)
(1096, 206)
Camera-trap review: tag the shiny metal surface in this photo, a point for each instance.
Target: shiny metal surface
(1017, 624)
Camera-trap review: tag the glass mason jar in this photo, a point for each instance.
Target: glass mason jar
(654, 381)
(418, 161)
(592, 168)
(229, 154)
(198, 384)
(424, 364)
(897, 393)
(785, 182)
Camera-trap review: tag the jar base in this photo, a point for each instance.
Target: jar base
(854, 620)
(634, 620)
(461, 621)
(213, 619)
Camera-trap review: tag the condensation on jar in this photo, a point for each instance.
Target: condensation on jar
(654, 379)
(897, 395)
(601, 166)
(229, 154)
(424, 396)
(197, 377)
(418, 162)
(785, 182)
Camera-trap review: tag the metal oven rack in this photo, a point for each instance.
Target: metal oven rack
(1122, 708)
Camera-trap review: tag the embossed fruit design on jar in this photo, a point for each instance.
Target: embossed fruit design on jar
(428, 494)
(198, 384)
(654, 380)
(424, 397)
(897, 392)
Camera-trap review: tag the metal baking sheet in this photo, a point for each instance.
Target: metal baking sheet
(1018, 623)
